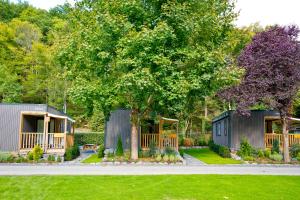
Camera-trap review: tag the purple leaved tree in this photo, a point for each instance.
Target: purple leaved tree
(272, 75)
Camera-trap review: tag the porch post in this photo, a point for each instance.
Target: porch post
(20, 131)
(65, 133)
(45, 133)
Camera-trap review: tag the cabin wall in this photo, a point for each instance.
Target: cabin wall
(221, 131)
(118, 124)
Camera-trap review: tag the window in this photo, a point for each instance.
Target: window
(225, 126)
(218, 129)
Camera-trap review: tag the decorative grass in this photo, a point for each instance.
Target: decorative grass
(209, 157)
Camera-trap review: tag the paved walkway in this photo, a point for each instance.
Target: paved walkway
(191, 161)
(21, 169)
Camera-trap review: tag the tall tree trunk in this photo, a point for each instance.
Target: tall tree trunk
(285, 133)
(204, 118)
(134, 134)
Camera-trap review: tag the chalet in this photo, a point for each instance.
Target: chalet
(22, 126)
(163, 133)
(261, 128)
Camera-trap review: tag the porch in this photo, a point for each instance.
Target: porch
(53, 133)
(271, 137)
(164, 134)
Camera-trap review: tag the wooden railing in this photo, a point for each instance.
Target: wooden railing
(29, 140)
(56, 141)
(70, 140)
(147, 138)
(271, 137)
(161, 141)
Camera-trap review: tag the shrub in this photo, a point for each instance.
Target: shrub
(172, 158)
(224, 152)
(58, 159)
(188, 142)
(276, 157)
(101, 151)
(51, 158)
(6, 157)
(119, 149)
(30, 155)
(89, 138)
(152, 148)
(248, 158)
(295, 150)
(72, 153)
(245, 148)
(260, 153)
(37, 152)
(267, 153)
(158, 158)
(298, 156)
(169, 151)
(21, 159)
(275, 147)
(166, 158)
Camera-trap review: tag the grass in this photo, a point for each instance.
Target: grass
(92, 159)
(209, 157)
(166, 187)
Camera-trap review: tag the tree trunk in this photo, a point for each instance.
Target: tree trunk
(204, 118)
(285, 133)
(134, 135)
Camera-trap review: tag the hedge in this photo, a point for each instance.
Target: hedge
(89, 138)
(219, 149)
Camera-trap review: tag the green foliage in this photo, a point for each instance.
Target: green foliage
(172, 158)
(166, 158)
(119, 149)
(295, 150)
(58, 159)
(219, 149)
(169, 151)
(260, 153)
(89, 138)
(101, 151)
(30, 155)
(248, 158)
(51, 158)
(37, 153)
(275, 147)
(245, 148)
(6, 157)
(158, 157)
(267, 153)
(276, 157)
(72, 153)
(152, 148)
(298, 156)
(21, 159)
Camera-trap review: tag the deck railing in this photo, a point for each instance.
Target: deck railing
(29, 140)
(271, 137)
(161, 141)
(56, 141)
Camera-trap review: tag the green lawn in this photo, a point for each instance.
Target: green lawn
(168, 187)
(92, 159)
(209, 157)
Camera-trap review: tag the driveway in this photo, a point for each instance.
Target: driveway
(21, 169)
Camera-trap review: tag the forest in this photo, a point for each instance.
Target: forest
(156, 57)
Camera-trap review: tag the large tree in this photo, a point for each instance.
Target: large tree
(272, 75)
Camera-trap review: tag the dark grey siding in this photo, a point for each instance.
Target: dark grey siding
(10, 123)
(118, 124)
(220, 131)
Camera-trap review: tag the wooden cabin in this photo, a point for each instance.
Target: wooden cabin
(22, 126)
(261, 129)
(163, 133)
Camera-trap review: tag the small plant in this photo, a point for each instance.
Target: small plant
(166, 158)
(260, 153)
(37, 152)
(169, 151)
(224, 152)
(248, 158)
(276, 157)
(21, 159)
(30, 156)
(188, 142)
(267, 153)
(245, 148)
(51, 158)
(119, 149)
(275, 147)
(172, 158)
(298, 156)
(101, 151)
(152, 148)
(295, 150)
(6, 157)
(58, 159)
(158, 158)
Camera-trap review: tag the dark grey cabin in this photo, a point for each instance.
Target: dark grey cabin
(22, 126)
(230, 128)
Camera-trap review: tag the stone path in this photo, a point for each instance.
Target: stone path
(131, 169)
(191, 161)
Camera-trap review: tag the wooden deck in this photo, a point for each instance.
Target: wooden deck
(271, 137)
(161, 141)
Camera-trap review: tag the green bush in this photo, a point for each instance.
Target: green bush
(89, 138)
(30, 155)
(72, 153)
(51, 158)
(298, 156)
(6, 157)
(275, 147)
(260, 153)
(267, 153)
(172, 158)
(295, 150)
(21, 159)
(245, 148)
(169, 151)
(119, 149)
(101, 151)
(276, 157)
(152, 148)
(37, 153)
(248, 158)
(158, 158)
(166, 158)
(224, 152)
(58, 159)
